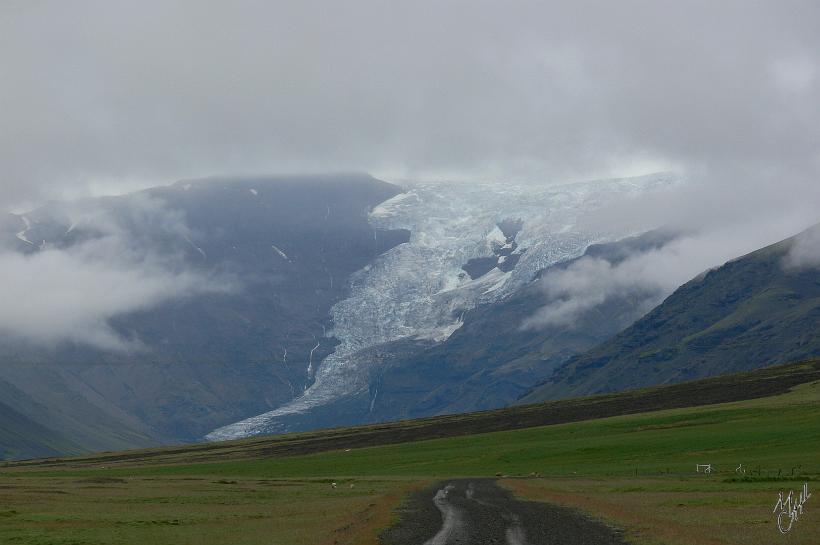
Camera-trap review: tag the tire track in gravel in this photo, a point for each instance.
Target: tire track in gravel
(479, 512)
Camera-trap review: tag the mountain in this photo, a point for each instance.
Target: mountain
(327, 300)
(758, 310)
(286, 247)
(489, 361)
(492, 359)
(703, 394)
(64, 417)
(22, 437)
(434, 326)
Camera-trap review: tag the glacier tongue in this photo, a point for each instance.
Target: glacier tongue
(419, 289)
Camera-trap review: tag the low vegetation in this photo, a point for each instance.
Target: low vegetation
(636, 471)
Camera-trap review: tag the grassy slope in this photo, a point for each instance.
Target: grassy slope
(751, 312)
(635, 470)
(760, 383)
(30, 429)
(21, 437)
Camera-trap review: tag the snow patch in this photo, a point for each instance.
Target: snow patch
(21, 235)
(394, 205)
(496, 237)
(280, 252)
(197, 248)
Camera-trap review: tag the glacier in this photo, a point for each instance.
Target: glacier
(418, 290)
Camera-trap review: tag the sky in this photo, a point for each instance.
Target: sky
(102, 97)
(108, 94)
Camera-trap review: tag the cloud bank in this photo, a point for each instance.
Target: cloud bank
(104, 95)
(805, 250)
(114, 92)
(58, 295)
(70, 293)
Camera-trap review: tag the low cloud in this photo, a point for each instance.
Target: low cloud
(118, 93)
(805, 250)
(589, 283)
(70, 294)
(109, 95)
(649, 277)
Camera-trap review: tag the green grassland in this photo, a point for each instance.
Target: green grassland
(636, 471)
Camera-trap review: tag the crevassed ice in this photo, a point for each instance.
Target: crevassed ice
(419, 290)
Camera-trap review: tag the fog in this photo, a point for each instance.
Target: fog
(99, 97)
(69, 294)
(111, 93)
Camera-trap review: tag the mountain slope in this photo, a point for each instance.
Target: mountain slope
(754, 311)
(285, 247)
(470, 245)
(757, 384)
(63, 409)
(346, 301)
(22, 437)
(492, 360)
(489, 361)
(636, 471)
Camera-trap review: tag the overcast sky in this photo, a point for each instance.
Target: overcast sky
(114, 94)
(100, 97)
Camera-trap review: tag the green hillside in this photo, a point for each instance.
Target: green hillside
(752, 312)
(634, 471)
(21, 437)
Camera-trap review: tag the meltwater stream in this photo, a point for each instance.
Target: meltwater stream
(419, 289)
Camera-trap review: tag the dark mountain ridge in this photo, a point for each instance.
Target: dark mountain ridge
(753, 311)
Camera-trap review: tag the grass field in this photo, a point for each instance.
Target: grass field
(635, 471)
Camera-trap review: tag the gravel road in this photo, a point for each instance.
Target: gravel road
(479, 512)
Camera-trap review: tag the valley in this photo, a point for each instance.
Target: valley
(308, 302)
(410, 273)
(636, 472)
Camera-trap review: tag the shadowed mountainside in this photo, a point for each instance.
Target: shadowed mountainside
(488, 362)
(22, 437)
(754, 311)
(736, 387)
(288, 246)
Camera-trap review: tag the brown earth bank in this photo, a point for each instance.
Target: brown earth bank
(479, 512)
(723, 389)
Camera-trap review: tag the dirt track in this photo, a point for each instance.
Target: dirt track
(479, 512)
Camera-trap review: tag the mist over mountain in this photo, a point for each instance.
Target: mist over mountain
(236, 307)
(421, 314)
(488, 362)
(316, 298)
(756, 310)
(265, 259)
(554, 172)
